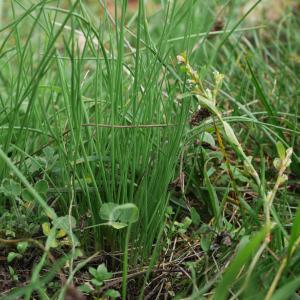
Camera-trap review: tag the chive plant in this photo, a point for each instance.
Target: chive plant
(97, 98)
(108, 109)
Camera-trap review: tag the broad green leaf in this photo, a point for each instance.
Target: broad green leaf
(11, 271)
(186, 222)
(22, 247)
(112, 294)
(102, 273)
(129, 213)
(125, 213)
(46, 228)
(27, 196)
(96, 283)
(195, 216)
(101, 269)
(205, 242)
(41, 187)
(106, 210)
(12, 255)
(93, 271)
(85, 288)
(243, 256)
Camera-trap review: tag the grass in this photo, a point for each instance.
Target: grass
(148, 156)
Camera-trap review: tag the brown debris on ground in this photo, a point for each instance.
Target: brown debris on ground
(199, 116)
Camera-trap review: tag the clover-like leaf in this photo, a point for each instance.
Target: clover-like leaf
(26, 195)
(119, 216)
(129, 213)
(41, 187)
(106, 211)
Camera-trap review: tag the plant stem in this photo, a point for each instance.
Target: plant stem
(125, 263)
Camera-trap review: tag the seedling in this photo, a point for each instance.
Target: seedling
(100, 274)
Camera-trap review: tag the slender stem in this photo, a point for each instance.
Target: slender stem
(280, 271)
(220, 142)
(276, 279)
(125, 263)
